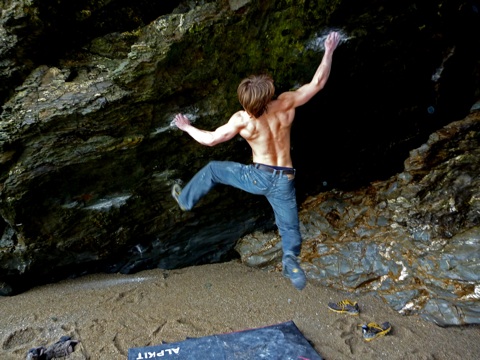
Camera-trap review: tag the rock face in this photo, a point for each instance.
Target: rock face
(413, 239)
(88, 156)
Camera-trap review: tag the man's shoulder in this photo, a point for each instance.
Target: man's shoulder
(240, 119)
(240, 116)
(284, 102)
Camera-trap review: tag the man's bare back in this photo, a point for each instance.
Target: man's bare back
(269, 135)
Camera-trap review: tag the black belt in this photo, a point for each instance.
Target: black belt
(272, 169)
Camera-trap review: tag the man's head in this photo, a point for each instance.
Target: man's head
(255, 92)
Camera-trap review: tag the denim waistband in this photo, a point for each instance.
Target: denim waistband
(275, 169)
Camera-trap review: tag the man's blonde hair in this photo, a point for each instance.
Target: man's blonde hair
(255, 93)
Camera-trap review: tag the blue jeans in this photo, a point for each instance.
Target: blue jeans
(277, 187)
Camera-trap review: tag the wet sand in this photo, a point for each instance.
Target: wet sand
(111, 313)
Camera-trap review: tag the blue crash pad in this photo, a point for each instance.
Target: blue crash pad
(276, 342)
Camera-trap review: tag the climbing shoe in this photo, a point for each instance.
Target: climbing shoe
(293, 271)
(345, 307)
(176, 191)
(373, 330)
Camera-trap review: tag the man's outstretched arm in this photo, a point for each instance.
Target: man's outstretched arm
(307, 91)
(210, 138)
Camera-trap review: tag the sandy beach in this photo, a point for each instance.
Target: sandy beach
(111, 313)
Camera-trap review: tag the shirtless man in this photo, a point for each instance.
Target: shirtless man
(265, 124)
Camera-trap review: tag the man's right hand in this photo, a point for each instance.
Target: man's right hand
(181, 121)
